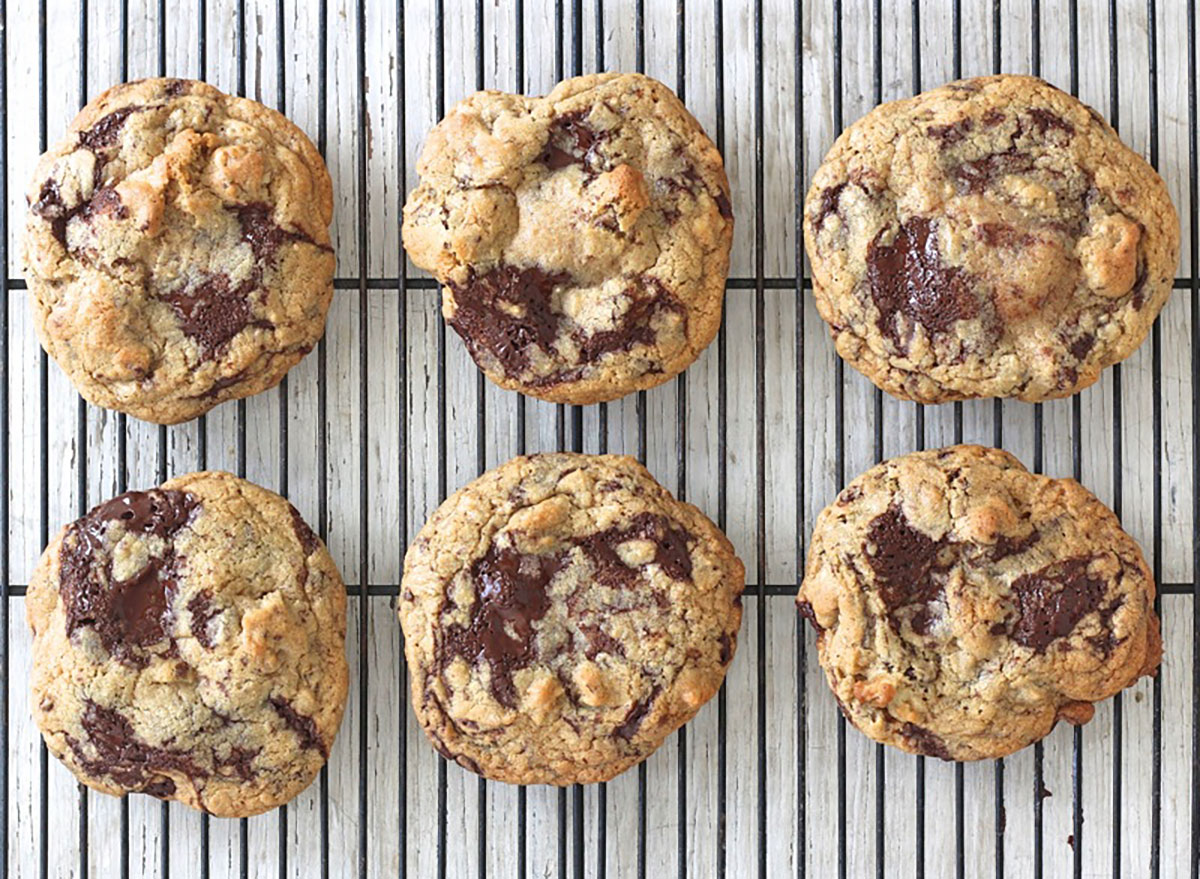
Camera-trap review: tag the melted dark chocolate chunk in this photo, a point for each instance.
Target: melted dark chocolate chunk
(308, 540)
(1081, 346)
(951, 133)
(264, 235)
(670, 550)
(554, 158)
(906, 564)
(908, 277)
(830, 197)
(637, 713)
(302, 725)
(1006, 546)
(129, 613)
(105, 132)
(177, 87)
(975, 175)
(571, 141)
(928, 743)
(723, 205)
(127, 760)
(203, 610)
(50, 206)
(1050, 602)
(599, 641)
(510, 595)
(1139, 287)
(1002, 235)
(212, 311)
(805, 610)
(1045, 120)
(239, 762)
(484, 319)
(726, 643)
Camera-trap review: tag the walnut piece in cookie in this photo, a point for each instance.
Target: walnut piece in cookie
(562, 615)
(582, 238)
(964, 605)
(189, 643)
(177, 249)
(990, 238)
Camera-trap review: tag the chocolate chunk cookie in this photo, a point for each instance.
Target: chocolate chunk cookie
(177, 249)
(963, 605)
(188, 643)
(990, 238)
(563, 614)
(582, 238)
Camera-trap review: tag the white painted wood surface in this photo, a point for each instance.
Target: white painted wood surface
(373, 470)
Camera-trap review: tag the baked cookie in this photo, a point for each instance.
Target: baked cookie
(188, 643)
(563, 614)
(964, 605)
(177, 249)
(990, 238)
(582, 238)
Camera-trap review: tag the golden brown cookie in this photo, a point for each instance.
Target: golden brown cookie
(188, 643)
(177, 249)
(582, 238)
(990, 238)
(964, 605)
(563, 614)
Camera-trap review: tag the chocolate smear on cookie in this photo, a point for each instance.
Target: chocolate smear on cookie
(507, 313)
(302, 725)
(134, 612)
(907, 564)
(510, 595)
(907, 279)
(1050, 602)
(121, 755)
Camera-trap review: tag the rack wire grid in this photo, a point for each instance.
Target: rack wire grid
(372, 430)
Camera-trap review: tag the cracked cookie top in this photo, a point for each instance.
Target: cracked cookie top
(964, 605)
(562, 615)
(990, 238)
(188, 643)
(582, 238)
(177, 248)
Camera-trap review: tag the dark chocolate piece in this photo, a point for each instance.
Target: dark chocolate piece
(1050, 602)
(302, 725)
(129, 613)
(908, 277)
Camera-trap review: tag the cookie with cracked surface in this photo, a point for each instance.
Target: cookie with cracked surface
(188, 643)
(990, 238)
(582, 238)
(964, 605)
(177, 249)
(563, 614)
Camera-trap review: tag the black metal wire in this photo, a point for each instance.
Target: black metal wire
(83, 798)
(1118, 466)
(801, 481)
(440, 93)
(44, 468)
(999, 814)
(1156, 547)
(402, 435)
(839, 431)
(323, 387)
(1194, 259)
(5, 512)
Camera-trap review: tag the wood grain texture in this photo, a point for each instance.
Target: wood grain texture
(389, 414)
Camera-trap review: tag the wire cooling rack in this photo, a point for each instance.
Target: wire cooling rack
(388, 415)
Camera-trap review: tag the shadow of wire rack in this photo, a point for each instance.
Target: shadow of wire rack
(388, 415)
